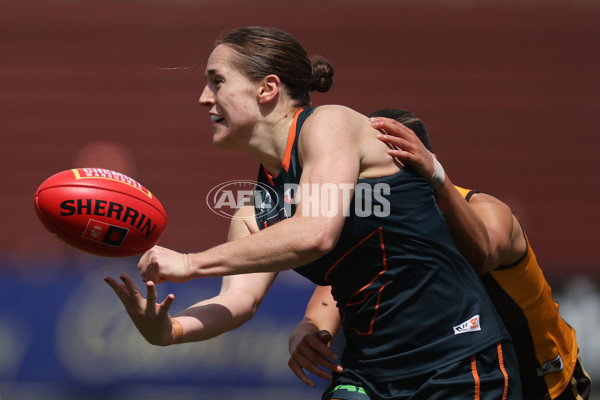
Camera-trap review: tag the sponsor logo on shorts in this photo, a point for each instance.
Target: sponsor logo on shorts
(470, 325)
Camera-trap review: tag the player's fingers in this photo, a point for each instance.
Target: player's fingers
(391, 127)
(134, 292)
(399, 154)
(398, 142)
(146, 274)
(299, 372)
(325, 337)
(311, 365)
(384, 122)
(143, 261)
(320, 345)
(323, 374)
(316, 359)
(312, 353)
(118, 288)
(392, 131)
(166, 305)
(151, 294)
(152, 272)
(147, 264)
(131, 304)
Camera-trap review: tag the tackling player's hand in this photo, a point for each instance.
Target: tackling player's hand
(311, 351)
(406, 145)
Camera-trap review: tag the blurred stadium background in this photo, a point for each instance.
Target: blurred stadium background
(510, 91)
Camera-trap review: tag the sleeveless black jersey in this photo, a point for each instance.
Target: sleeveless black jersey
(409, 301)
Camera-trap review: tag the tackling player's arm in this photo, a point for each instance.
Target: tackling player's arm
(507, 240)
(468, 230)
(310, 340)
(484, 229)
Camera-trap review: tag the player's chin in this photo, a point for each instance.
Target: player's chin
(217, 143)
(221, 141)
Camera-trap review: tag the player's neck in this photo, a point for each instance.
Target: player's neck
(270, 142)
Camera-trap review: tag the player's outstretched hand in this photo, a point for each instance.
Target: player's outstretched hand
(311, 351)
(407, 147)
(151, 319)
(160, 264)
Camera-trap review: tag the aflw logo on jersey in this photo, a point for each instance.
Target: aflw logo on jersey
(470, 325)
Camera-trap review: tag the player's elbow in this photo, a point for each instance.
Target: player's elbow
(479, 265)
(479, 258)
(320, 241)
(246, 306)
(483, 260)
(325, 244)
(491, 253)
(489, 263)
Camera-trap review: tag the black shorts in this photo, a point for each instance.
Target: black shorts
(491, 374)
(580, 386)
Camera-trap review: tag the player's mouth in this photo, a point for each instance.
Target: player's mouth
(216, 119)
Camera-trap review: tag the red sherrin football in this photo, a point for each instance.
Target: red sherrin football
(101, 212)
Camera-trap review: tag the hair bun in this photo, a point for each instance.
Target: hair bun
(322, 74)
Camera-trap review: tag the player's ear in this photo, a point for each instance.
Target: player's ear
(269, 88)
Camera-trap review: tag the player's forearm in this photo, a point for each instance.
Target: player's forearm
(286, 245)
(211, 318)
(467, 229)
(322, 311)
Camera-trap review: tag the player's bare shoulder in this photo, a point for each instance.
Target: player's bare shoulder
(487, 199)
(336, 121)
(349, 130)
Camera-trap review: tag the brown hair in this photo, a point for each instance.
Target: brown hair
(264, 51)
(408, 119)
